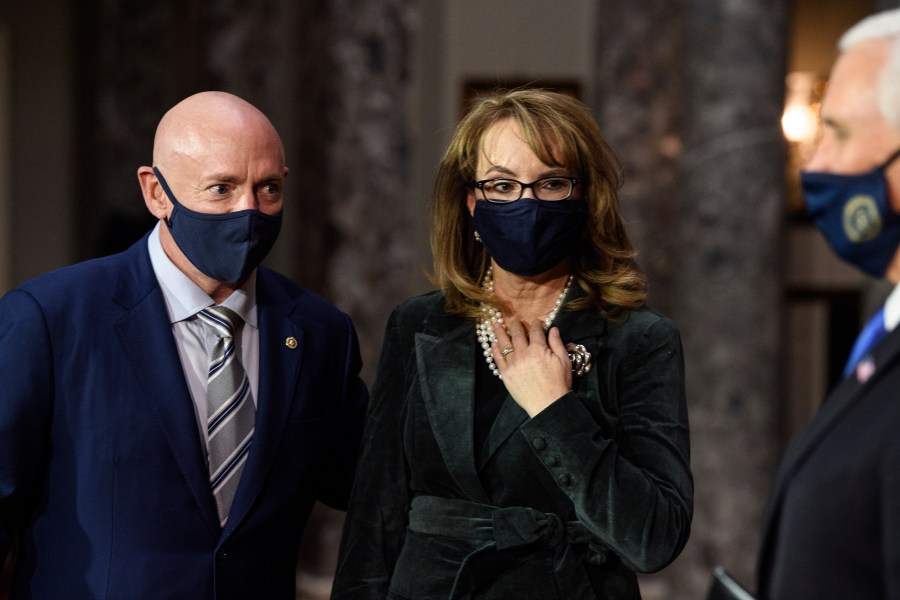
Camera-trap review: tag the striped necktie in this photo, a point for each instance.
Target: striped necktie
(231, 414)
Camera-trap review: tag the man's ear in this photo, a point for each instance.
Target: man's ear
(892, 175)
(154, 196)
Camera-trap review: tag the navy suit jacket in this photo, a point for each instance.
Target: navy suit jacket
(832, 524)
(103, 478)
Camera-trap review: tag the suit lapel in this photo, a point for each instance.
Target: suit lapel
(447, 374)
(281, 343)
(835, 406)
(149, 346)
(829, 414)
(883, 356)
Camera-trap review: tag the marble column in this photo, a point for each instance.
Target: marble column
(334, 76)
(690, 95)
(638, 105)
(133, 61)
(371, 267)
(728, 293)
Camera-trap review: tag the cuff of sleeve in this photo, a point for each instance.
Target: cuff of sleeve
(564, 418)
(561, 436)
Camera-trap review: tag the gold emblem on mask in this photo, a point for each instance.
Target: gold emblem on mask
(861, 219)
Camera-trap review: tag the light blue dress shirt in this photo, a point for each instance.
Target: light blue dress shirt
(184, 299)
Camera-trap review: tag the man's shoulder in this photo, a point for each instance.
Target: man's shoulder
(93, 276)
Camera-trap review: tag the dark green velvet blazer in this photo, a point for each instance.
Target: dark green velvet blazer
(567, 504)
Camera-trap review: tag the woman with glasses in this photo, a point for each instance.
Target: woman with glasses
(528, 434)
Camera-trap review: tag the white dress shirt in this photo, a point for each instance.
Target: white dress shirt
(892, 309)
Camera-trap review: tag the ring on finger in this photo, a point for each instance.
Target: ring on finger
(507, 350)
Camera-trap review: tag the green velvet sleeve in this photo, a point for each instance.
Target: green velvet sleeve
(630, 485)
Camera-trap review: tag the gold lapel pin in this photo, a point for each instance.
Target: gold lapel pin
(290, 342)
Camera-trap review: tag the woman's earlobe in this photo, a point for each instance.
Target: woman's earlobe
(470, 202)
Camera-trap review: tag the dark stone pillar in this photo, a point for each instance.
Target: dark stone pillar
(372, 263)
(638, 104)
(134, 61)
(334, 77)
(728, 287)
(690, 96)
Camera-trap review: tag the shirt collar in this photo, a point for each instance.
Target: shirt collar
(184, 298)
(892, 309)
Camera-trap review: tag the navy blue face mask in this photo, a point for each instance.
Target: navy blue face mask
(529, 236)
(223, 246)
(855, 216)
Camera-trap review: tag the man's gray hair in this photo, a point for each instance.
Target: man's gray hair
(883, 25)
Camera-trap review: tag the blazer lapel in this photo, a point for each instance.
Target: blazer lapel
(447, 374)
(281, 342)
(146, 337)
(580, 327)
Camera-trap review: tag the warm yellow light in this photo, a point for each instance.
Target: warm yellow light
(799, 123)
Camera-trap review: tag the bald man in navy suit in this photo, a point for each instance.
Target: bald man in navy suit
(105, 487)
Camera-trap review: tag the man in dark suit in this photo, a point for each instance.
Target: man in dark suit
(169, 415)
(832, 525)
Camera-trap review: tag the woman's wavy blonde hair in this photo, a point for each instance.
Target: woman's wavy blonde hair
(562, 133)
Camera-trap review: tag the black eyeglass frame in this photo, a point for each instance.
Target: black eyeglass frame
(573, 181)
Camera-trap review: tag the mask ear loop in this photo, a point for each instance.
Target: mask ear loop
(168, 191)
(891, 159)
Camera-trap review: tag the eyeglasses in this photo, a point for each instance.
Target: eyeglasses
(510, 190)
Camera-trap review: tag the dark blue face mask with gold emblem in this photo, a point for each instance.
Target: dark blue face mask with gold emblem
(854, 214)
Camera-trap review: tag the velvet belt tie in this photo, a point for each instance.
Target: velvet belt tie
(499, 532)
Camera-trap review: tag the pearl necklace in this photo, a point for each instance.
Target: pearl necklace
(484, 325)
